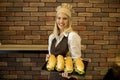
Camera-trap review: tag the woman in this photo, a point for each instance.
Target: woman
(64, 40)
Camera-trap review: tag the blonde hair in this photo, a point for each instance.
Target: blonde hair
(67, 9)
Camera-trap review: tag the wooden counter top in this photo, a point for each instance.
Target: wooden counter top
(28, 47)
(23, 47)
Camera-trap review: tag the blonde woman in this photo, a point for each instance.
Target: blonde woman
(64, 40)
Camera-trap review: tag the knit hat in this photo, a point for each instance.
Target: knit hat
(65, 8)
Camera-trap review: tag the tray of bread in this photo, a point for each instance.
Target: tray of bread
(59, 63)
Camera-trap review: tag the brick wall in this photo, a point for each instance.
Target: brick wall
(31, 21)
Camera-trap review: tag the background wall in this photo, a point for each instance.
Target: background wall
(31, 21)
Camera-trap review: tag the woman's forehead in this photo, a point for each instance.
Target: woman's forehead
(62, 15)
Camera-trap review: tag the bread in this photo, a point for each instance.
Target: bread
(60, 63)
(51, 62)
(68, 65)
(79, 66)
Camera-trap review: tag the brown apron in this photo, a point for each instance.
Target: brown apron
(60, 49)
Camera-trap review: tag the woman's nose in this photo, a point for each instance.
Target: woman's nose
(61, 21)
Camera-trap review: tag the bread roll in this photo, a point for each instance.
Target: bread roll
(60, 63)
(79, 66)
(68, 65)
(51, 62)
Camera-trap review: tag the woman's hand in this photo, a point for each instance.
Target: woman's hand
(47, 57)
(65, 75)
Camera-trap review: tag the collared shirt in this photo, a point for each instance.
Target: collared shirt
(74, 43)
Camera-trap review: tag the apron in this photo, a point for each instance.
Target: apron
(60, 49)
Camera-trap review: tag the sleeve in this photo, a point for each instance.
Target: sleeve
(50, 42)
(74, 42)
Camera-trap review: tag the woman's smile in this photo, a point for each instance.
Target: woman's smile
(62, 21)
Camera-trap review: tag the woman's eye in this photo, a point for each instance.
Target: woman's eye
(64, 18)
(58, 18)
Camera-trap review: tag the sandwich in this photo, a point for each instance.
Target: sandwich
(79, 66)
(60, 63)
(51, 62)
(68, 65)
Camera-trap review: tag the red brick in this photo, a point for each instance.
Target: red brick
(101, 23)
(48, 0)
(101, 5)
(101, 42)
(2, 18)
(14, 9)
(37, 23)
(96, 1)
(3, 64)
(110, 38)
(16, 37)
(95, 37)
(31, 27)
(45, 42)
(108, 19)
(21, 4)
(92, 19)
(100, 14)
(110, 28)
(16, 28)
(32, 37)
(37, 13)
(83, 28)
(42, 33)
(2, 9)
(63, 0)
(23, 32)
(23, 59)
(81, 1)
(114, 5)
(114, 23)
(112, 1)
(14, 18)
(46, 27)
(6, 23)
(30, 18)
(46, 18)
(37, 4)
(6, 4)
(48, 23)
(24, 42)
(85, 14)
(29, 64)
(31, 0)
(95, 28)
(7, 33)
(85, 23)
(99, 60)
(108, 10)
(8, 41)
(22, 23)
(51, 14)
(30, 9)
(3, 28)
(84, 4)
(93, 10)
(17, 72)
(22, 14)
(10, 76)
(46, 9)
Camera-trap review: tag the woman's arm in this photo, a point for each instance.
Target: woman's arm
(74, 42)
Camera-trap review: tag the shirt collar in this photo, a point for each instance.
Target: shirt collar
(65, 34)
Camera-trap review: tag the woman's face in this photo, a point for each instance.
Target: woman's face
(62, 21)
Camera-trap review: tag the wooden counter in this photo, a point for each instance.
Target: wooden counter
(23, 47)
